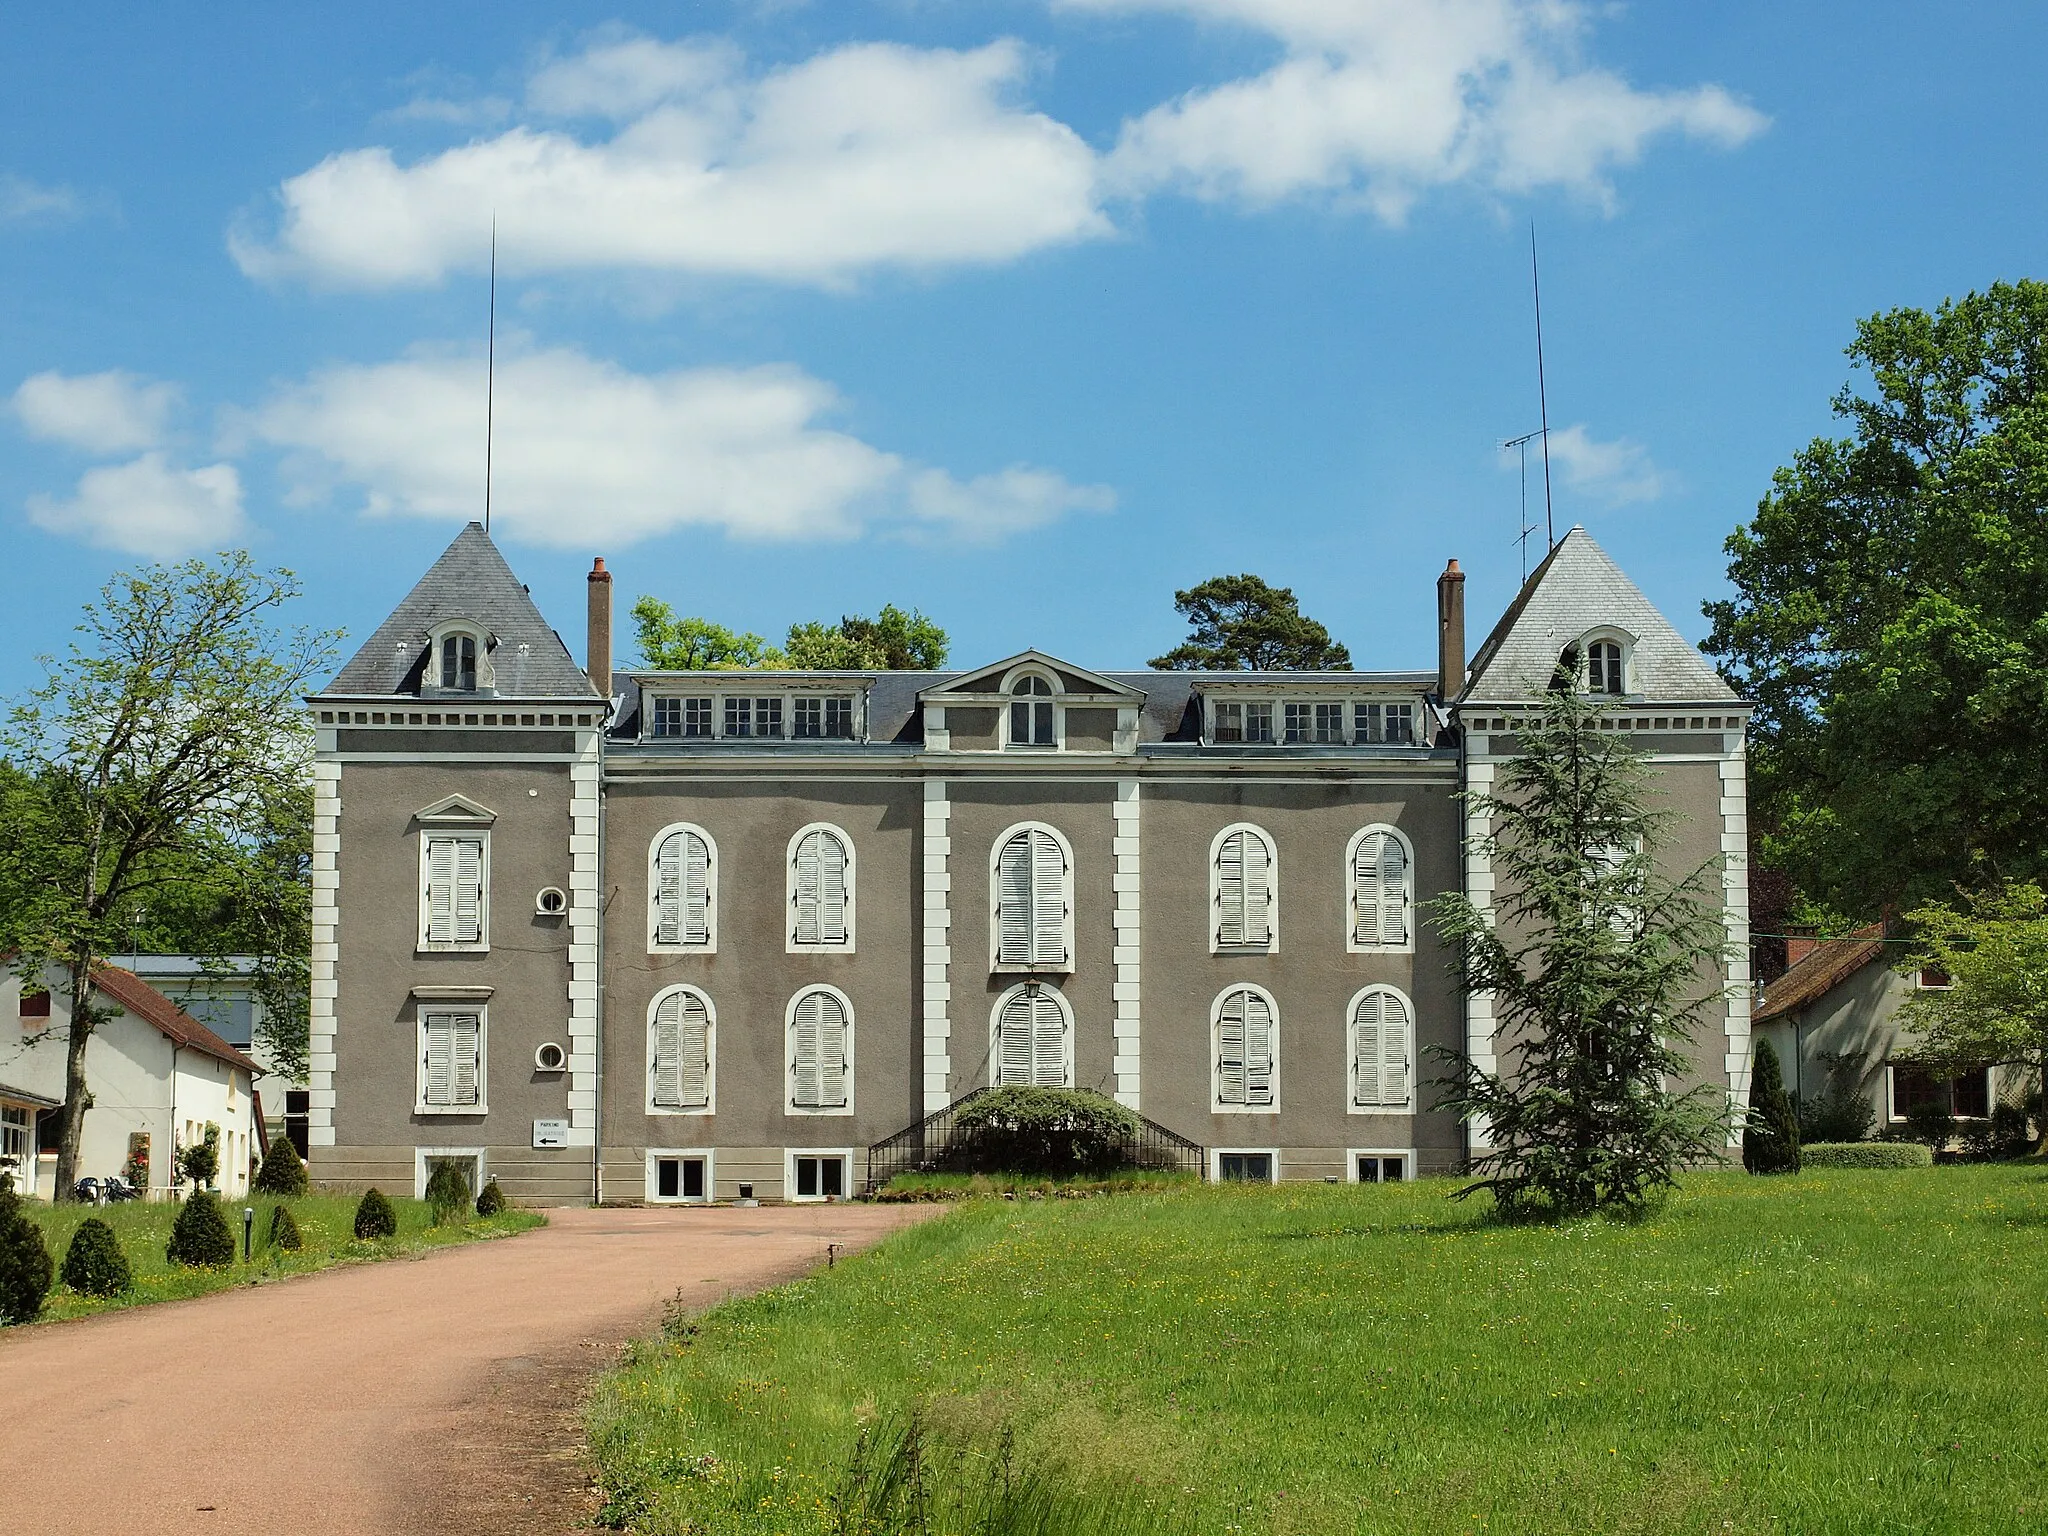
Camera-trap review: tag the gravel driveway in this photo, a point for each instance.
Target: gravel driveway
(433, 1394)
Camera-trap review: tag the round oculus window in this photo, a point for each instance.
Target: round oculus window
(550, 1058)
(552, 901)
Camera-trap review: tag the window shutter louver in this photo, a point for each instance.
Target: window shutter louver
(1049, 901)
(668, 891)
(1258, 1049)
(808, 926)
(1380, 877)
(1230, 1064)
(1258, 926)
(1394, 1053)
(693, 1071)
(1381, 1051)
(832, 892)
(696, 890)
(441, 890)
(440, 1062)
(1014, 1041)
(466, 1036)
(1048, 1042)
(668, 1050)
(1230, 890)
(809, 1025)
(1014, 901)
(833, 1062)
(469, 891)
(1244, 891)
(1365, 1048)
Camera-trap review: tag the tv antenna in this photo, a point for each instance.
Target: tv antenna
(1542, 397)
(491, 374)
(1521, 446)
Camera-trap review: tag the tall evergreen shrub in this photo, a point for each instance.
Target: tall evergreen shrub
(447, 1192)
(283, 1171)
(491, 1202)
(94, 1264)
(284, 1230)
(374, 1217)
(201, 1237)
(24, 1261)
(1770, 1138)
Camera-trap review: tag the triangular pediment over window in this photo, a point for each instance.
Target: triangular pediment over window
(992, 679)
(455, 811)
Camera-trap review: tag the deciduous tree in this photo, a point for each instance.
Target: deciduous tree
(1240, 624)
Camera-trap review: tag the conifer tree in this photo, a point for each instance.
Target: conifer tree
(283, 1171)
(1601, 970)
(1770, 1137)
(25, 1268)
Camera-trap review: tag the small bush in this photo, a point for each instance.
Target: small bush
(201, 1237)
(283, 1171)
(1930, 1122)
(24, 1263)
(492, 1201)
(447, 1192)
(2003, 1135)
(1770, 1140)
(1867, 1154)
(374, 1217)
(200, 1162)
(284, 1230)
(1842, 1113)
(94, 1264)
(1053, 1131)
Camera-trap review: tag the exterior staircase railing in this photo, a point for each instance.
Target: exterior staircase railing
(924, 1147)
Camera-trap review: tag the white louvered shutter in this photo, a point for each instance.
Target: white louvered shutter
(1048, 1041)
(808, 926)
(465, 1058)
(809, 1027)
(1013, 901)
(1395, 1049)
(1365, 1048)
(1048, 901)
(439, 1066)
(1258, 1049)
(834, 1078)
(1014, 1040)
(1380, 875)
(440, 890)
(667, 1048)
(1230, 890)
(832, 892)
(1380, 1050)
(668, 890)
(469, 891)
(1230, 1074)
(1244, 886)
(696, 890)
(1258, 890)
(693, 1053)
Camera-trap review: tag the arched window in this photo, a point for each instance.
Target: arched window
(1381, 875)
(1244, 896)
(1246, 1031)
(1032, 889)
(1382, 1052)
(1031, 712)
(458, 661)
(1031, 1039)
(1604, 668)
(821, 1052)
(682, 890)
(681, 1053)
(820, 890)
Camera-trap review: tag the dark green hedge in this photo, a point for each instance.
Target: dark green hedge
(1866, 1154)
(1052, 1131)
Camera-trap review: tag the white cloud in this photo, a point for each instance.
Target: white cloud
(112, 412)
(1384, 100)
(149, 507)
(26, 202)
(866, 156)
(1615, 473)
(590, 452)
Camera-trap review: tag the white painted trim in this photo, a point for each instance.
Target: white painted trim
(1351, 943)
(1627, 643)
(710, 1053)
(791, 945)
(1056, 698)
(1351, 1103)
(585, 831)
(711, 872)
(789, 1104)
(1216, 1104)
(657, 1154)
(1272, 944)
(421, 1007)
(1353, 1154)
(420, 1156)
(1735, 915)
(789, 1157)
(1479, 1015)
(1126, 844)
(995, 1027)
(481, 835)
(995, 926)
(937, 991)
(326, 917)
(1216, 1161)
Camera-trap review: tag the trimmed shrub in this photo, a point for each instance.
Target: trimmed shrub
(283, 1171)
(374, 1217)
(1867, 1154)
(94, 1264)
(201, 1237)
(1770, 1141)
(492, 1201)
(1053, 1131)
(1930, 1122)
(447, 1192)
(24, 1263)
(284, 1230)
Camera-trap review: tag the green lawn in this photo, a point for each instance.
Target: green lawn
(326, 1223)
(1848, 1351)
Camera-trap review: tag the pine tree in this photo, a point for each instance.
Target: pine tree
(447, 1192)
(492, 1201)
(94, 1264)
(1594, 960)
(283, 1171)
(374, 1217)
(284, 1230)
(1770, 1137)
(24, 1261)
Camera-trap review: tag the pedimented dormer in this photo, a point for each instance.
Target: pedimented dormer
(1031, 703)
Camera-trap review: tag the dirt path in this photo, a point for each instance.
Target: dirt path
(431, 1395)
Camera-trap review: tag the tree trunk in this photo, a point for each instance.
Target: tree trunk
(74, 1080)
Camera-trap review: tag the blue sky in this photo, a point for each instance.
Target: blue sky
(1025, 314)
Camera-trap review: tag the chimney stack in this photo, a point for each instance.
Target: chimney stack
(599, 653)
(1450, 633)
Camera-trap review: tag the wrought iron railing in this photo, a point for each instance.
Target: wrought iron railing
(925, 1147)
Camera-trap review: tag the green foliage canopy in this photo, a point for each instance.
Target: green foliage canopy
(894, 640)
(94, 1264)
(1240, 624)
(1890, 616)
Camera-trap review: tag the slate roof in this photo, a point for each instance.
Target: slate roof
(1578, 587)
(1832, 962)
(470, 581)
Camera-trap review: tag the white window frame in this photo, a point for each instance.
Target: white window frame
(486, 674)
(1351, 1103)
(1893, 1115)
(996, 963)
(672, 1111)
(1059, 709)
(421, 1008)
(995, 1030)
(710, 944)
(434, 832)
(1272, 944)
(789, 1157)
(659, 1154)
(1216, 1104)
(789, 1103)
(1352, 943)
(1216, 1155)
(792, 944)
(1613, 636)
(1353, 1154)
(422, 1156)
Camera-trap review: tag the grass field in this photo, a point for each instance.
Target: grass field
(1849, 1351)
(326, 1223)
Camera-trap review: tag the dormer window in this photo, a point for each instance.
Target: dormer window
(458, 662)
(1031, 722)
(1603, 668)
